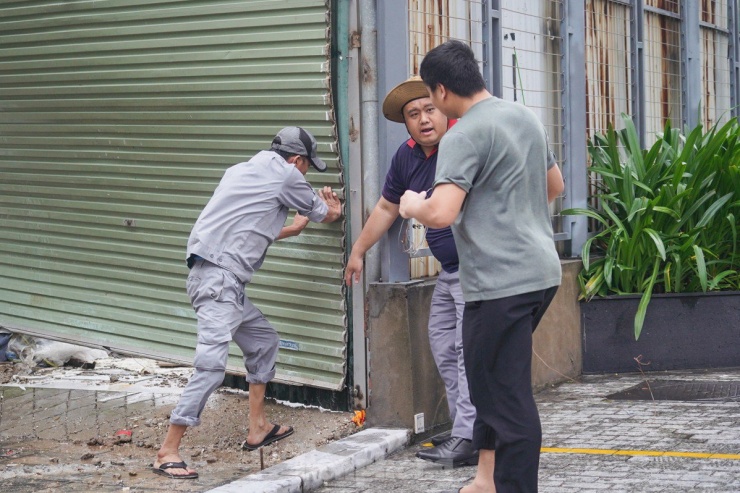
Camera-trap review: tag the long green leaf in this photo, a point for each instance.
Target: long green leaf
(657, 240)
(716, 280)
(608, 269)
(645, 300)
(694, 207)
(701, 266)
(605, 172)
(712, 210)
(667, 276)
(632, 142)
(733, 228)
(585, 212)
(586, 252)
(593, 284)
(667, 210)
(617, 222)
(639, 205)
(678, 275)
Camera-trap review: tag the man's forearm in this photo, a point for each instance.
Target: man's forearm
(439, 211)
(377, 224)
(288, 231)
(427, 214)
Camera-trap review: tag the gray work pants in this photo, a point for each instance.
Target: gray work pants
(224, 314)
(445, 340)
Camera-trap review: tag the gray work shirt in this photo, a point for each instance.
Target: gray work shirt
(248, 210)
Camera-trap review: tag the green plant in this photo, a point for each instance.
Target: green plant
(668, 216)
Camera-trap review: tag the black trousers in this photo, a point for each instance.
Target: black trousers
(497, 344)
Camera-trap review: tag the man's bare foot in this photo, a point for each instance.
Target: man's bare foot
(257, 435)
(173, 471)
(476, 488)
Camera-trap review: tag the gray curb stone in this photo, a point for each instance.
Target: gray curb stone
(309, 471)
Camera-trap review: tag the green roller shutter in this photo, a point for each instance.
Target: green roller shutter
(117, 119)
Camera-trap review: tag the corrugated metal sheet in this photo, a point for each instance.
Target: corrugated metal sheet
(117, 119)
(429, 26)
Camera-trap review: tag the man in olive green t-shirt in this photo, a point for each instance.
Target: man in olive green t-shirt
(495, 177)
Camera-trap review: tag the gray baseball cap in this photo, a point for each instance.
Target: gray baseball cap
(296, 140)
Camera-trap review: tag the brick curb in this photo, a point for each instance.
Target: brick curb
(310, 470)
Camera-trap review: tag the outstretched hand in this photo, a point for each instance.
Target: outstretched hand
(299, 221)
(331, 199)
(353, 270)
(299, 224)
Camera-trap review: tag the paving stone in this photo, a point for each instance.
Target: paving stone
(577, 415)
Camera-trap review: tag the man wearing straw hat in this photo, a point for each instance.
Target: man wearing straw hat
(413, 167)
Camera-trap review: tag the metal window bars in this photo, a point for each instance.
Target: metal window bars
(609, 68)
(610, 72)
(662, 65)
(532, 72)
(655, 60)
(714, 23)
(431, 23)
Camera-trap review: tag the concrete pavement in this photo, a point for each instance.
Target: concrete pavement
(591, 443)
(681, 435)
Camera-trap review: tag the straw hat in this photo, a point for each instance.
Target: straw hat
(406, 91)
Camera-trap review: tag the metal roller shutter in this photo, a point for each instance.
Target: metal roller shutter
(117, 119)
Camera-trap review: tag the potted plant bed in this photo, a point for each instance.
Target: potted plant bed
(661, 271)
(681, 331)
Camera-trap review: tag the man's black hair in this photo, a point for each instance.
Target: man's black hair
(453, 65)
(285, 155)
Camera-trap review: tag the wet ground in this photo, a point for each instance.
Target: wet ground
(68, 429)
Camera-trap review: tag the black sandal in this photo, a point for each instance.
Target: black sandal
(174, 465)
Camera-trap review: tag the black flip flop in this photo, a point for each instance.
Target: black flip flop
(269, 438)
(174, 465)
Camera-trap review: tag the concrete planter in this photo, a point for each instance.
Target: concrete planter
(681, 331)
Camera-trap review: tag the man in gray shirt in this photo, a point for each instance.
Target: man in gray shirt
(495, 177)
(226, 247)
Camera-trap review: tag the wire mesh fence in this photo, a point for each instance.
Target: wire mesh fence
(715, 62)
(532, 56)
(431, 23)
(662, 65)
(619, 78)
(609, 70)
(532, 69)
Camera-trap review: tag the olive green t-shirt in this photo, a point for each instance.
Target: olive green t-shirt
(498, 153)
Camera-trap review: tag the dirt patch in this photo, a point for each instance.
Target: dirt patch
(55, 446)
(7, 370)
